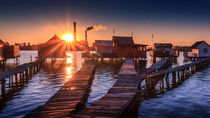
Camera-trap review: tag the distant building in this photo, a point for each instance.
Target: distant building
(56, 48)
(200, 49)
(104, 48)
(162, 50)
(125, 47)
(1, 49)
(53, 48)
(8, 51)
(11, 51)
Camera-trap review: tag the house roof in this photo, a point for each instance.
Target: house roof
(103, 43)
(123, 41)
(163, 45)
(2, 42)
(196, 44)
(53, 40)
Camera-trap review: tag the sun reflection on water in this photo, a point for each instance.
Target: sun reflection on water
(68, 73)
(69, 68)
(69, 60)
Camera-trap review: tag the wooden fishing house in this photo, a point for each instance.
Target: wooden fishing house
(104, 48)
(53, 48)
(200, 49)
(162, 50)
(1, 49)
(8, 51)
(120, 46)
(125, 47)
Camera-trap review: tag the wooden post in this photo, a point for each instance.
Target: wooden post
(9, 81)
(12, 76)
(178, 75)
(23, 74)
(30, 72)
(20, 78)
(183, 75)
(16, 79)
(162, 81)
(174, 79)
(26, 72)
(167, 82)
(3, 94)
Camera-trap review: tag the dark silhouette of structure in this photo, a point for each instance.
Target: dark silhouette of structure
(120, 47)
(8, 51)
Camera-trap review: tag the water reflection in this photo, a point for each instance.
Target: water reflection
(42, 85)
(69, 58)
(190, 100)
(104, 79)
(68, 73)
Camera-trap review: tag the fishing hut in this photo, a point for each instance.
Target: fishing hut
(119, 47)
(1, 50)
(199, 49)
(104, 48)
(53, 48)
(125, 47)
(7, 52)
(163, 50)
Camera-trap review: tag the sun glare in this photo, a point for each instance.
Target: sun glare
(68, 37)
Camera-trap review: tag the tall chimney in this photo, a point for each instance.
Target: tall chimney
(85, 35)
(75, 32)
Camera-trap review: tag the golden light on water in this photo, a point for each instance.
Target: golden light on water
(68, 37)
(69, 60)
(69, 70)
(68, 73)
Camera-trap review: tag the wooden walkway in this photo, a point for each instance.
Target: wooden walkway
(179, 68)
(162, 80)
(158, 65)
(128, 67)
(118, 98)
(122, 98)
(70, 98)
(16, 77)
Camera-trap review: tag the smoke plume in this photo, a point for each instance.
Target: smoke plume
(96, 27)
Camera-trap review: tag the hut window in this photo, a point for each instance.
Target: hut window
(205, 50)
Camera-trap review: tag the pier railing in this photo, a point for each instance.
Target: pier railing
(13, 79)
(172, 77)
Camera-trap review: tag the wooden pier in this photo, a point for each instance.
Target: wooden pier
(158, 66)
(71, 97)
(13, 79)
(170, 78)
(123, 98)
(117, 98)
(119, 101)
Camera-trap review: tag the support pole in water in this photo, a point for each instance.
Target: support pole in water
(3, 89)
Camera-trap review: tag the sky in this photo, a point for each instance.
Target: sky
(181, 22)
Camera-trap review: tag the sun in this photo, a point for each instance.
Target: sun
(68, 37)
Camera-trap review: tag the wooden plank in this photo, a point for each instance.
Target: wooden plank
(128, 67)
(69, 96)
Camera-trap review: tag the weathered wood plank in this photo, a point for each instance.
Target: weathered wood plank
(71, 96)
(128, 67)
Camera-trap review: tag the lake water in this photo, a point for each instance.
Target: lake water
(51, 77)
(188, 100)
(41, 86)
